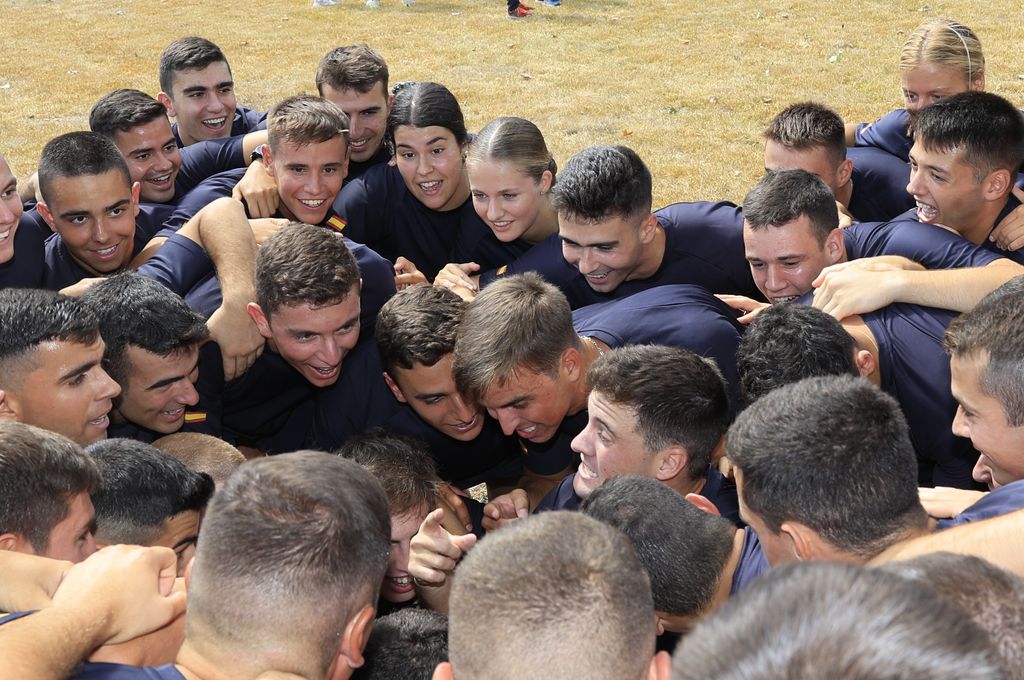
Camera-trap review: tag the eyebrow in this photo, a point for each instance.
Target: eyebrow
(778, 258)
(604, 424)
(201, 88)
(78, 370)
(607, 244)
(431, 395)
(85, 213)
(167, 381)
(185, 541)
(515, 400)
(435, 140)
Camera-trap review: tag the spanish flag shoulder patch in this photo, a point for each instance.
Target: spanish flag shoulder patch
(193, 417)
(336, 223)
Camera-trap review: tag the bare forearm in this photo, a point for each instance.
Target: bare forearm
(223, 231)
(48, 644)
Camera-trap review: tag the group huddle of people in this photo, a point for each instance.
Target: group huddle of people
(251, 365)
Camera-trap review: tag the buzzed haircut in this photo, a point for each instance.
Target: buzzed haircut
(834, 454)
(677, 397)
(305, 119)
(995, 329)
(136, 311)
(983, 129)
(517, 323)
(188, 54)
(303, 264)
(992, 597)
(142, 488)
(603, 182)
(682, 548)
(418, 326)
(41, 472)
(403, 467)
(122, 110)
(30, 317)
(809, 125)
(292, 543)
(555, 595)
(788, 342)
(77, 154)
(405, 645)
(782, 196)
(817, 620)
(352, 67)
(202, 453)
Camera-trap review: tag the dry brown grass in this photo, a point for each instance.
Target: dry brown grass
(688, 85)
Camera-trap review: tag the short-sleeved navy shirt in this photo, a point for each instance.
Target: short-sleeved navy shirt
(752, 562)
(1000, 501)
(244, 122)
(879, 185)
(357, 169)
(26, 268)
(205, 159)
(931, 247)
(1011, 204)
(61, 270)
(889, 133)
(703, 246)
(118, 671)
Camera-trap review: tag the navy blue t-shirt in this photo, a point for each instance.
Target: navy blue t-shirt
(678, 315)
(244, 122)
(26, 268)
(205, 159)
(879, 185)
(703, 246)
(119, 671)
(931, 247)
(1001, 501)
(1011, 204)
(379, 210)
(556, 454)
(61, 270)
(357, 169)
(889, 133)
(752, 562)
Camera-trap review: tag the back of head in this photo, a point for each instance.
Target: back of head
(292, 548)
(786, 195)
(76, 154)
(944, 42)
(983, 129)
(517, 323)
(142, 488)
(30, 317)
(834, 454)
(818, 620)
(187, 54)
(556, 595)
(515, 141)
(418, 326)
(405, 645)
(40, 473)
(603, 182)
(809, 125)
(788, 342)
(423, 105)
(134, 310)
(682, 548)
(304, 265)
(305, 119)
(995, 329)
(678, 397)
(202, 453)
(121, 110)
(403, 467)
(352, 67)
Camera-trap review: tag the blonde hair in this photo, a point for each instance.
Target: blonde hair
(944, 42)
(516, 141)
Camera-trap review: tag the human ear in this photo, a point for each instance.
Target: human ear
(255, 313)
(395, 390)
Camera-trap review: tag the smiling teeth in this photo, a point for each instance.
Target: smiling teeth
(430, 186)
(161, 179)
(174, 411)
(926, 211)
(215, 122)
(106, 251)
(4, 235)
(325, 371)
(359, 143)
(401, 580)
(311, 203)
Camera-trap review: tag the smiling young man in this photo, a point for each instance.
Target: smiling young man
(19, 232)
(50, 370)
(199, 92)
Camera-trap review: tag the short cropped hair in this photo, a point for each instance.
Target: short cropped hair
(304, 264)
(136, 311)
(809, 125)
(41, 472)
(352, 67)
(992, 597)
(202, 453)
(421, 105)
(292, 547)
(122, 110)
(30, 317)
(517, 323)
(995, 329)
(682, 548)
(677, 396)
(603, 182)
(825, 620)
(142, 488)
(834, 454)
(782, 196)
(405, 645)
(555, 595)
(188, 54)
(77, 154)
(418, 326)
(985, 130)
(305, 119)
(403, 467)
(788, 342)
